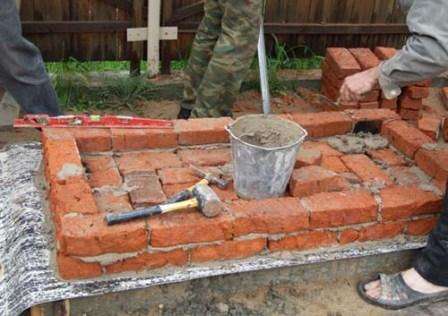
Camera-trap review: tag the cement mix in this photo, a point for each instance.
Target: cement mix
(27, 275)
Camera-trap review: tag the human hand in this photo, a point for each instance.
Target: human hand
(358, 84)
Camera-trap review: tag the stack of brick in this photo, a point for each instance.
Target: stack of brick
(331, 202)
(341, 62)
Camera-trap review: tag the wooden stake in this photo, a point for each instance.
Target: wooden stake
(154, 7)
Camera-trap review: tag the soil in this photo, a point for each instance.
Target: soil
(266, 131)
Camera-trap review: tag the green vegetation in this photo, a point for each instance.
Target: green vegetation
(78, 91)
(73, 65)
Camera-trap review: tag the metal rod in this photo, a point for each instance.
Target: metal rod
(262, 64)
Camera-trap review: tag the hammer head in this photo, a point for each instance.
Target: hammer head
(212, 179)
(208, 201)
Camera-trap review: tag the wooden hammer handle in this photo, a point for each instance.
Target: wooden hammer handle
(117, 218)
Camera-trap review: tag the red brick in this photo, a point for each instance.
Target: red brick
(72, 197)
(203, 131)
(315, 179)
(342, 62)
(60, 152)
(381, 231)
(333, 163)
(433, 162)
(98, 163)
(308, 157)
(387, 157)
(405, 176)
(226, 195)
(90, 236)
(177, 176)
(188, 227)
(324, 123)
(444, 95)
(430, 125)
(227, 250)
(421, 226)
(404, 202)
(92, 139)
(369, 105)
(384, 53)
(72, 268)
(365, 169)
(136, 139)
(409, 115)
(146, 161)
(111, 201)
(172, 189)
(372, 115)
(329, 90)
(340, 208)
(365, 57)
(109, 177)
(205, 157)
(404, 137)
(150, 260)
(348, 236)
(328, 76)
(308, 240)
(406, 102)
(146, 189)
(415, 92)
(441, 185)
(389, 104)
(273, 216)
(325, 149)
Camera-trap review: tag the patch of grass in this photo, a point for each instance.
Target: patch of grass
(74, 65)
(179, 64)
(77, 94)
(284, 58)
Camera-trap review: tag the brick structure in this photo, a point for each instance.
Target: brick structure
(340, 63)
(334, 198)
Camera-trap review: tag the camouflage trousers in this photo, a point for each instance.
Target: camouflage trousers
(220, 58)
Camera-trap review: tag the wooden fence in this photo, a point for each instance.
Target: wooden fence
(96, 29)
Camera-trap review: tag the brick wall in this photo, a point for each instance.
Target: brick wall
(334, 198)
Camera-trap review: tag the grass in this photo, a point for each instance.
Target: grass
(77, 93)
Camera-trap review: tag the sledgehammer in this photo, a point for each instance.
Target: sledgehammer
(204, 198)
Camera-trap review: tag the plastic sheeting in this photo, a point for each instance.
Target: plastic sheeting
(26, 274)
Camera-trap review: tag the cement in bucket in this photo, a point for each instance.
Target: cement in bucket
(264, 152)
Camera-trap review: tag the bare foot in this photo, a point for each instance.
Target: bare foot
(412, 279)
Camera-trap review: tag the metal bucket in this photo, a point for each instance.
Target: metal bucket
(262, 172)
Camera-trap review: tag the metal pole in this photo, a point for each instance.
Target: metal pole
(262, 63)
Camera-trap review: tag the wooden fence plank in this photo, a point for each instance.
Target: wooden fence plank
(78, 28)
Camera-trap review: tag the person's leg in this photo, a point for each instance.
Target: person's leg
(429, 274)
(201, 51)
(232, 57)
(22, 70)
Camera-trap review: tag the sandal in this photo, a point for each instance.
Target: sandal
(396, 294)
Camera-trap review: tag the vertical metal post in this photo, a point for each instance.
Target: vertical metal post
(262, 63)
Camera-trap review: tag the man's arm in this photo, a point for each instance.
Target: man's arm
(424, 56)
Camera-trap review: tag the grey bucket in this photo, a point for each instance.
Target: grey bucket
(263, 172)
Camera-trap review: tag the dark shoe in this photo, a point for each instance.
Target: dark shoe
(396, 294)
(184, 114)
